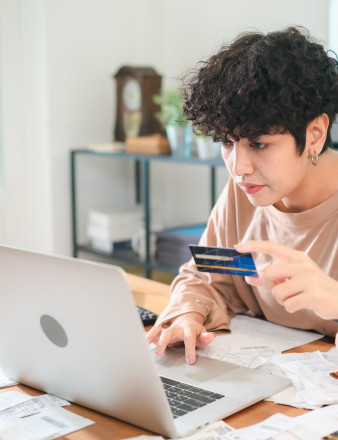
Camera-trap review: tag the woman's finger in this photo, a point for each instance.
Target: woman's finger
(204, 339)
(296, 302)
(168, 336)
(255, 281)
(154, 334)
(275, 250)
(190, 346)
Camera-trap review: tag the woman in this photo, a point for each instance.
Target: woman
(271, 101)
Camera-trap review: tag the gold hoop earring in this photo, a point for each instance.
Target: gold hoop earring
(314, 158)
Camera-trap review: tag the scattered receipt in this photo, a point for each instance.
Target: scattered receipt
(24, 417)
(240, 350)
(313, 385)
(12, 398)
(285, 337)
(255, 343)
(315, 425)
(49, 424)
(252, 341)
(31, 406)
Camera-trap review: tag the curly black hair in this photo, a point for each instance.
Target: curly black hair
(263, 84)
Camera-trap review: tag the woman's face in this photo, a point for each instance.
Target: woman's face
(269, 170)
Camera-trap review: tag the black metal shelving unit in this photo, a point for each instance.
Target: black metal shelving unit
(142, 165)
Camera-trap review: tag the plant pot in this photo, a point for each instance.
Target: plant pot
(180, 140)
(207, 148)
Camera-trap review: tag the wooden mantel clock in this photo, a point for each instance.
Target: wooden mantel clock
(135, 108)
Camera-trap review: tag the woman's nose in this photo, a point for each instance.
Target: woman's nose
(241, 161)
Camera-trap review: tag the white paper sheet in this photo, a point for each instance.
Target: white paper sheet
(12, 398)
(9, 431)
(310, 426)
(312, 386)
(313, 425)
(240, 350)
(266, 429)
(49, 424)
(285, 337)
(32, 406)
(57, 420)
(252, 341)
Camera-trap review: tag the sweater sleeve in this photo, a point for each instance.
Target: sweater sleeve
(212, 295)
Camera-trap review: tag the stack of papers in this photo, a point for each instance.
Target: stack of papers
(252, 341)
(24, 417)
(312, 386)
(314, 425)
(107, 230)
(14, 404)
(111, 147)
(320, 424)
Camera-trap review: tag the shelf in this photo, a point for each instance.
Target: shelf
(193, 160)
(126, 256)
(142, 188)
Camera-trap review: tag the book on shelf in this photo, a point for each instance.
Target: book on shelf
(155, 144)
(95, 232)
(172, 244)
(108, 247)
(106, 227)
(111, 147)
(113, 219)
(183, 235)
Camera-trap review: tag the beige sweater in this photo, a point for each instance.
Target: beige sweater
(234, 219)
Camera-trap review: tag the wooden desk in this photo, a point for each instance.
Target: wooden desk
(155, 296)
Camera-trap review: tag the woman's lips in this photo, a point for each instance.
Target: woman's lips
(250, 188)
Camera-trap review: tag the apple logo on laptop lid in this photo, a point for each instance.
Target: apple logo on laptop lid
(54, 331)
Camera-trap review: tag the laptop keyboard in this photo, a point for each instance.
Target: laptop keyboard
(147, 317)
(184, 398)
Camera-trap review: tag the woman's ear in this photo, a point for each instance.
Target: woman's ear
(316, 134)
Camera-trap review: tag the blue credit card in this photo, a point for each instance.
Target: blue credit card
(223, 260)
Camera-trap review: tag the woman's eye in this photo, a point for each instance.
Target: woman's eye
(258, 145)
(227, 144)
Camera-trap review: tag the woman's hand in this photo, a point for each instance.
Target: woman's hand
(295, 281)
(188, 329)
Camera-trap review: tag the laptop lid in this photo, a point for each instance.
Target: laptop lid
(70, 328)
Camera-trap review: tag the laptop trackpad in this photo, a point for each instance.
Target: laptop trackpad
(172, 364)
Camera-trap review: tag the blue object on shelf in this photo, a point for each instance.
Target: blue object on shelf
(172, 245)
(183, 233)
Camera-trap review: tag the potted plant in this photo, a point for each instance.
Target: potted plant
(206, 147)
(172, 120)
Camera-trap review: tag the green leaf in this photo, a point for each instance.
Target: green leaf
(171, 104)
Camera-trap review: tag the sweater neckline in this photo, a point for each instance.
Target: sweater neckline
(311, 217)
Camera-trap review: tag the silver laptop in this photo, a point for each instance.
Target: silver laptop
(71, 328)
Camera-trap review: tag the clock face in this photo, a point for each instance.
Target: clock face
(132, 95)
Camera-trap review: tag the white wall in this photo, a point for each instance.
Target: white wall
(25, 202)
(333, 44)
(333, 28)
(196, 28)
(64, 55)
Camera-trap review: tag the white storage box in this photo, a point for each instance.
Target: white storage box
(114, 226)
